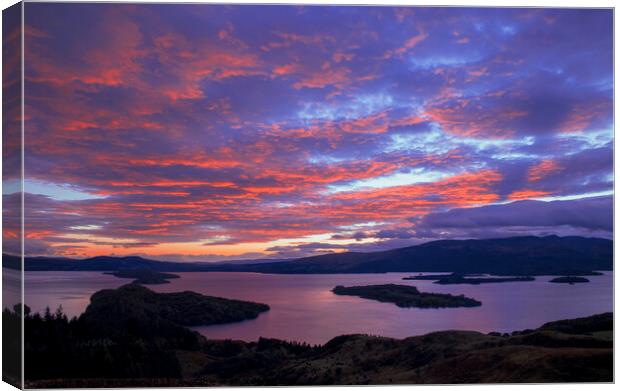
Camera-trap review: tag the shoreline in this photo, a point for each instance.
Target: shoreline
(264, 325)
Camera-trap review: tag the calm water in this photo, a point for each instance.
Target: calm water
(304, 309)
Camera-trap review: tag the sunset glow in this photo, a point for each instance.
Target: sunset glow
(198, 132)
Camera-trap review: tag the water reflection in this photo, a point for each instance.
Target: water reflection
(11, 287)
(304, 309)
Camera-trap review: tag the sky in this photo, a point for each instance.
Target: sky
(203, 132)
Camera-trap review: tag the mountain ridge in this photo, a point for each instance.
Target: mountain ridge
(519, 255)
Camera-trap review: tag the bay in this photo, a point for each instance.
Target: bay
(303, 308)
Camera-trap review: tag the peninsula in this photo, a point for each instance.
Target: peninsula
(144, 276)
(133, 304)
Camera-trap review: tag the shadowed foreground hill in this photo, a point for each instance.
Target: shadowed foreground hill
(128, 337)
(126, 332)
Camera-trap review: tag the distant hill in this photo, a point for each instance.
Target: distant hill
(110, 263)
(524, 255)
(100, 263)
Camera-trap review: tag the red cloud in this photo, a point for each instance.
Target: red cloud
(337, 77)
(375, 123)
(542, 169)
(468, 118)
(581, 117)
(286, 69)
(407, 45)
(527, 194)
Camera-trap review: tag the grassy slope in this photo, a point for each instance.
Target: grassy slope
(543, 355)
(565, 351)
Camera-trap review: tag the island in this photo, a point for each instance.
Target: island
(569, 280)
(144, 276)
(83, 356)
(133, 337)
(457, 278)
(135, 304)
(406, 296)
(427, 277)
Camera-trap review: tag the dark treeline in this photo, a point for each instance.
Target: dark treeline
(12, 346)
(59, 347)
(130, 336)
(132, 332)
(62, 352)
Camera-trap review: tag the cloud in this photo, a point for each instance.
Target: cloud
(408, 45)
(304, 250)
(590, 214)
(188, 124)
(542, 169)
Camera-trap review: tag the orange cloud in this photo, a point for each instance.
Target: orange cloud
(375, 123)
(542, 169)
(173, 183)
(468, 119)
(340, 57)
(581, 117)
(526, 194)
(459, 190)
(407, 45)
(285, 69)
(326, 76)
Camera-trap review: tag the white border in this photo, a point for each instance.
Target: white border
(475, 3)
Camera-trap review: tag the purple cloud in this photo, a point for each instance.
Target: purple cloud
(589, 214)
(218, 131)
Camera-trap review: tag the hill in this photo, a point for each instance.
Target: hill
(527, 255)
(92, 351)
(132, 304)
(100, 263)
(524, 255)
(126, 332)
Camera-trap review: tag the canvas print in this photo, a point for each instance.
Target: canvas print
(258, 195)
